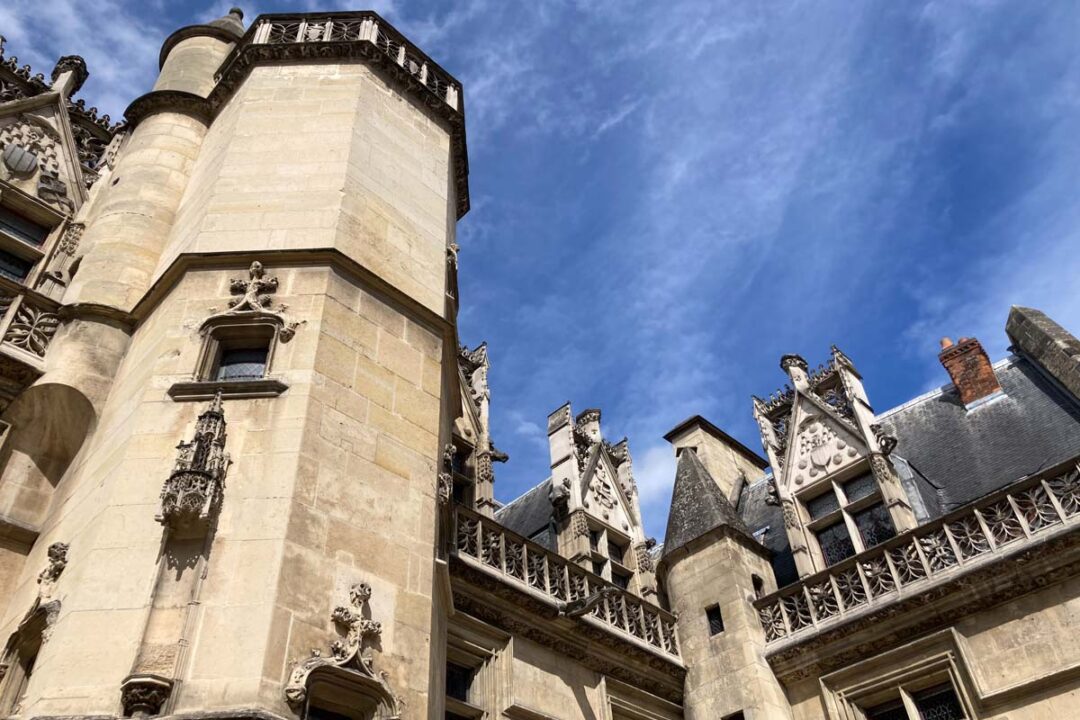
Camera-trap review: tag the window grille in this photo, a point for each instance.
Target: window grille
(875, 525)
(823, 504)
(242, 363)
(835, 542)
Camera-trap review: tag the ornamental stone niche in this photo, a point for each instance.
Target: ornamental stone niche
(191, 497)
(346, 682)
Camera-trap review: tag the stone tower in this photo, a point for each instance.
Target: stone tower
(713, 569)
(266, 276)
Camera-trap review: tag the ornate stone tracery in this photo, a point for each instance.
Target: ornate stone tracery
(192, 495)
(353, 653)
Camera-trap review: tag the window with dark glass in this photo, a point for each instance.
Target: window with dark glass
(936, 703)
(614, 552)
(822, 505)
(460, 461)
(939, 703)
(594, 539)
(458, 681)
(598, 566)
(621, 580)
(863, 486)
(835, 543)
(242, 363)
(18, 227)
(875, 525)
(715, 619)
(759, 586)
(14, 267)
(892, 710)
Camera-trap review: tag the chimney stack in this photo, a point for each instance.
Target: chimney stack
(970, 369)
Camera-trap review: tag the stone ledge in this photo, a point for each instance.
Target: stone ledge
(231, 390)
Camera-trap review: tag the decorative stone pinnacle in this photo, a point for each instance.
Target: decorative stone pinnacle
(790, 361)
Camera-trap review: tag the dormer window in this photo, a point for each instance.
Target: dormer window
(847, 518)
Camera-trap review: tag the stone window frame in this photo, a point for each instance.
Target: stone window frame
(844, 513)
(931, 661)
(218, 332)
(488, 652)
(599, 554)
(38, 214)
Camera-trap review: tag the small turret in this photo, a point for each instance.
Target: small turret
(712, 569)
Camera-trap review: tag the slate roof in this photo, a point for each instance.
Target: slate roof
(530, 515)
(959, 455)
(697, 505)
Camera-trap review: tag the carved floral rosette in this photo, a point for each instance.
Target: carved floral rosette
(352, 653)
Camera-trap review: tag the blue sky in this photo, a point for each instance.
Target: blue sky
(668, 196)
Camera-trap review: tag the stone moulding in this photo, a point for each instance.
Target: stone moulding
(176, 101)
(352, 654)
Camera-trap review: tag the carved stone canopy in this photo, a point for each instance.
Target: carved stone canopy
(350, 662)
(144, 694)
(192, 495)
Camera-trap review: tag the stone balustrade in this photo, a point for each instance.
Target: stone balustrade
(352, 27)
(1010, 519)
(529, 565)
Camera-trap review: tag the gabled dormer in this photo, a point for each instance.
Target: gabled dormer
(832, 474)
(595, 501)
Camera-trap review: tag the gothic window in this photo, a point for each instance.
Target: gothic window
(17, 227)
(620, 579)
(847, 517)
(715, 619)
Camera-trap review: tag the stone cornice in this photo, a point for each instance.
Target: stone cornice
(176, 101)
(484, 597)
(99, 313)
(330, 257)
(1049, 560)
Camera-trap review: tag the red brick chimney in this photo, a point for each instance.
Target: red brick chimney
(970, 369)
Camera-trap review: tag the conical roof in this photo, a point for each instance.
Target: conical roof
(697, 505)
(233, 22)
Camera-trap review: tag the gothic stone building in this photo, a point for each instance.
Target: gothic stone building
(246, 466)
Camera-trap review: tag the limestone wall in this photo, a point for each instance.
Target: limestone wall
(310, 155)
(331, 483)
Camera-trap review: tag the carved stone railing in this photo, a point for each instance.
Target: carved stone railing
(533, 567)
(977, 534)
(362, 27)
